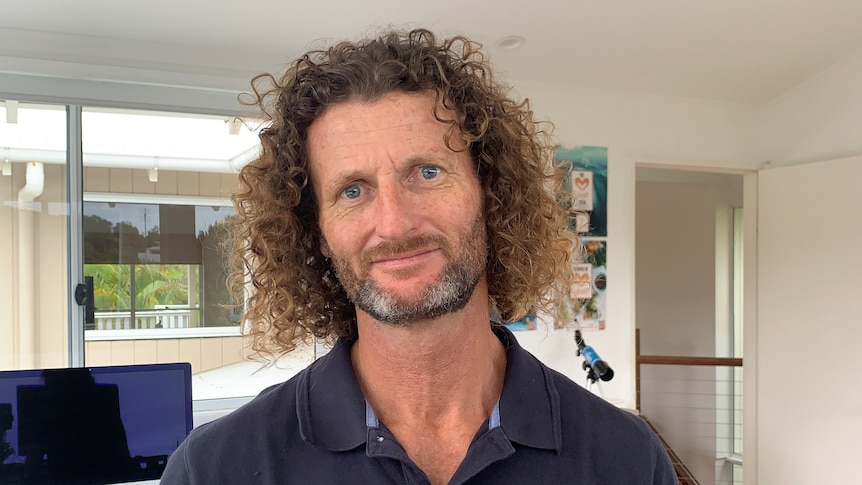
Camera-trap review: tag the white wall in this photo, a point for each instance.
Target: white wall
(818, 120)
(809, 390)
(648, 129)
(675, 277)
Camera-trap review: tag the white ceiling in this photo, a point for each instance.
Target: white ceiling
(743, 51)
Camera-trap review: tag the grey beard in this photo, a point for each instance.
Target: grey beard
(448, 295)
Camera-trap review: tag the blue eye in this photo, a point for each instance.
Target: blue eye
(429, 172)
(352, 191)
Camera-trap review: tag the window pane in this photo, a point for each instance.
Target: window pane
(164, 255)
(33, 244)
(156, 190)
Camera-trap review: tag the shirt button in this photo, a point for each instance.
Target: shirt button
(380, 439)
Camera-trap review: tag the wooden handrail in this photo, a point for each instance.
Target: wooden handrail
(683, 473)
(672, 360)
(681, 360)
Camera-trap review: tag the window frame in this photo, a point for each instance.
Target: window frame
(163, 333)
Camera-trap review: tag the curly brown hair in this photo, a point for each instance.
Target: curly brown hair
(275, 242)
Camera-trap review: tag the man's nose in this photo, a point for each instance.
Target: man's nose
(397, 212)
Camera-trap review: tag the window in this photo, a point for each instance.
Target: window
(34, 290)
(156, 264)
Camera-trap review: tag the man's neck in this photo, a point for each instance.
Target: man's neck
(433, 373)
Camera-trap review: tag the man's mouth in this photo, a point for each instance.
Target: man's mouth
(400, 260)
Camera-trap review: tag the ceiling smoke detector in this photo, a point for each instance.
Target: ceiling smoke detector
(510, 43)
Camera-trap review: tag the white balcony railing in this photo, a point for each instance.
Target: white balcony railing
(168, 318)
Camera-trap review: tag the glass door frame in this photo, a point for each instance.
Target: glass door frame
(75, 233)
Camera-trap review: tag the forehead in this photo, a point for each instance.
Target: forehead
(391, 111)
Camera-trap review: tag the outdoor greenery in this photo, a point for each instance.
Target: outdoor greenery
(155, 284)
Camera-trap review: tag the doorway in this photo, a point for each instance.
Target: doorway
(688, 267)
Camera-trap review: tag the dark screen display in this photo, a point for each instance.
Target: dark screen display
(92, 425)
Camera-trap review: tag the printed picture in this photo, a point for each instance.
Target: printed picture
(585, 306)
(591, 292)
(587, 185)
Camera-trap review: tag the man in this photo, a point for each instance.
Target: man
(400, 197)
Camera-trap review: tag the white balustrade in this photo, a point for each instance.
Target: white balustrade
(168, 318)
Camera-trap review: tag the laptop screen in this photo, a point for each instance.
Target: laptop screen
(92, 425)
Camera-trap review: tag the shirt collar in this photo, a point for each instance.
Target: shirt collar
(332, 410)
(529, 404)
(329, 404)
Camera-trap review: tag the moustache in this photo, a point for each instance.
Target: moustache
(393, 248)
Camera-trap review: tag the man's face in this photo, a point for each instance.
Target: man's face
(400, 213)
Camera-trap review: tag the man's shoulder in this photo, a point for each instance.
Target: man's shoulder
(573, 435)
(273, 408)
(619, 438)
(232, 448)
(581, 406)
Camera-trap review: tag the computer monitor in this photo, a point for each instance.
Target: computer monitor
(114, 424)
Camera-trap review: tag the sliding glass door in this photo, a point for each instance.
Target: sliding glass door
(34, 236)
(112, 243)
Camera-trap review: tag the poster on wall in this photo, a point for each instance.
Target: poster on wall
(586, 304)
(589, 289)
(587, 184)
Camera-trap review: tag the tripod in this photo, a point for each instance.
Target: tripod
(592, 378)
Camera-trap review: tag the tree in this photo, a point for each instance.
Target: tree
(111, 286)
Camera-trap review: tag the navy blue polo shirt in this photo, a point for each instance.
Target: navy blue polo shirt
(316, 428)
